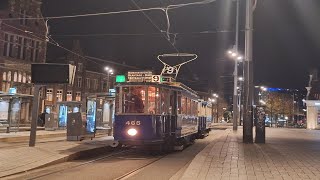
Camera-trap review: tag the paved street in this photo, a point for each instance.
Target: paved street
(288, 154)
(144, 165)
(19, 157)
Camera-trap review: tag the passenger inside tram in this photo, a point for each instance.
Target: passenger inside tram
(134, 102)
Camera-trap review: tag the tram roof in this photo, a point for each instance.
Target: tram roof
(178, 85)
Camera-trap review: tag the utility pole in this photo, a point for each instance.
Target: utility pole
(248, 85)
(35, 109)
(235, 75)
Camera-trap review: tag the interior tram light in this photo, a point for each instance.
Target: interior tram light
(132, 132)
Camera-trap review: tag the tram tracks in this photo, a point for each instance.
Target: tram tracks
(131, 155)
(38, 174)
(133, 172)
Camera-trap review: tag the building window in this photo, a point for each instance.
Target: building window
(49, 94)
(102, 85)
(9, 76)
(4, 76)
(95, 84)
(69, 96)
(59, 95)
(23, 17)
(80, 66)
(78, 96)
(35, 47)
(24, 78)
(15, 76)
(29, 79)
(4, 86)
(79, 82)
(20, 77)
(8, 45)
(22, 47)
(88, 83)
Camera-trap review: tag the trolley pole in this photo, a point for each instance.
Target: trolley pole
(248, 85)
(35, 109)
(235, 76)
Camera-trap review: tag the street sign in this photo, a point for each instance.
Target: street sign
(139, 76)
(156, 78)
(120, 78)
(49, 73)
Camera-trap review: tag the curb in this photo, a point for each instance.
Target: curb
(25, 138)
(70, 157)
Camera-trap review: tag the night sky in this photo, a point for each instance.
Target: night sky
(286, 37)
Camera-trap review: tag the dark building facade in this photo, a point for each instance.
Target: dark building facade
(87, 81)
(22, 42)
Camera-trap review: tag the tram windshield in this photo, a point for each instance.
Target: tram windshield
(133, 99)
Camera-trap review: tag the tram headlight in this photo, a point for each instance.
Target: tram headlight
(132, 132)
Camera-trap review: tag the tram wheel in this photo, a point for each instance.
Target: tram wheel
(115, 144)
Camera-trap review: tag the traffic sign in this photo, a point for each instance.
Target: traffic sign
(156, 78)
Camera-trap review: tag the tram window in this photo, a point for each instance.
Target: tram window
(179, 104)
(188, 106)
(153, 100)
(165, 101)
(194, 108)
(183, 105)
(117, 109)
(172, 103)
(133, 99)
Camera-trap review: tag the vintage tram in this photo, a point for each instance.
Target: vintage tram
(164, 115)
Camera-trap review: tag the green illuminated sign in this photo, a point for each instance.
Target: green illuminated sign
(120, 78)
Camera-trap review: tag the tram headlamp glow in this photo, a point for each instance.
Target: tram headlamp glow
(132, 132)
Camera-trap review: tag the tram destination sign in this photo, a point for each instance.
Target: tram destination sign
(140, 76)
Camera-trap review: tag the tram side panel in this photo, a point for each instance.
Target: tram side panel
(208, 116)
(139, 129)
(202, 128)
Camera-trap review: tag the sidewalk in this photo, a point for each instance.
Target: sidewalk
(287, 154)
(19, 158)
(23, 136)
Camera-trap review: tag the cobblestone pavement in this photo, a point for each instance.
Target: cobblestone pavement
(287, 154)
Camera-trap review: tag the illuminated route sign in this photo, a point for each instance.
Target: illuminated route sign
(140, 76)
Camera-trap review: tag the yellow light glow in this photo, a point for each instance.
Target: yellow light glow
(132, 132)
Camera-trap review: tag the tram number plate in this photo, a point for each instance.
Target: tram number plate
(133, 123)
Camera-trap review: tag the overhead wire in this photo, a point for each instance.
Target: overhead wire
(57, 44)
(141, 34)
(166, 37)
(173, 6)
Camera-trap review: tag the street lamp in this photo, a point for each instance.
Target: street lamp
(234, 54)
(109, 72)
(215, 100)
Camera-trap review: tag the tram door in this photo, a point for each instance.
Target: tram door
(173, 111)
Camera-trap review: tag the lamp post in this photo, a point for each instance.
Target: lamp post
(240, 109)
(216, 96)
(248, 72)
(237, 57)
(109, 72)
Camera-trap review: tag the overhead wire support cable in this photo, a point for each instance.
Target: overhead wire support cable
(173, 6)
(55, 43)
(141, 34)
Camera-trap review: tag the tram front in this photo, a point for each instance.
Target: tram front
(137, 119)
